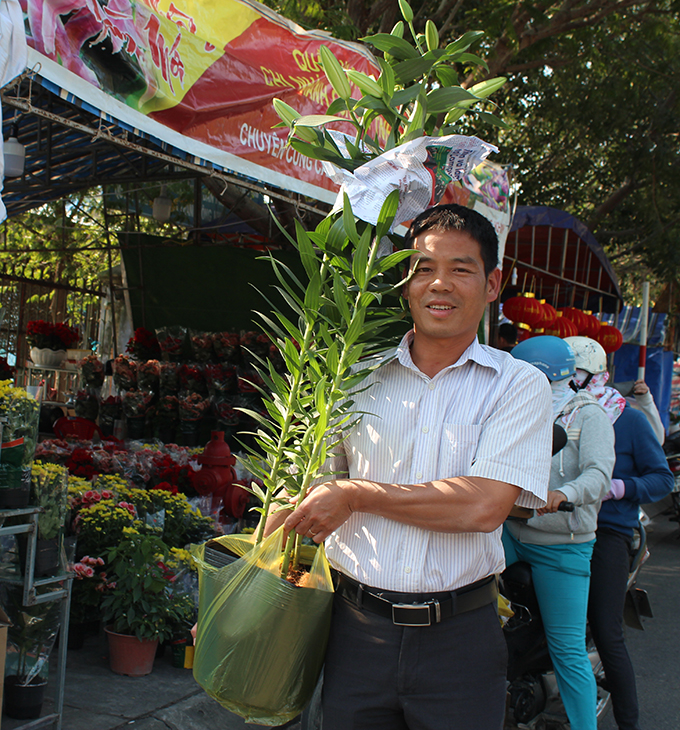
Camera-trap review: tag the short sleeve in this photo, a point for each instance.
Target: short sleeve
(515, 444)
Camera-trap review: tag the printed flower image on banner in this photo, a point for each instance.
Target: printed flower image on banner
(169, 60)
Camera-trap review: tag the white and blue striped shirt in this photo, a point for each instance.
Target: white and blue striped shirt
(488, 415)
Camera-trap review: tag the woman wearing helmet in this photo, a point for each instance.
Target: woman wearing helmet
(641, 475)
(559, 545)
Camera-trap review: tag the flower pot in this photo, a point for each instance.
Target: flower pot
(24, 702)
(44, 357)
(15, 486)
(46, 556)
(129, 655)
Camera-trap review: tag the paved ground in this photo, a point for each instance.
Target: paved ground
(167, 699)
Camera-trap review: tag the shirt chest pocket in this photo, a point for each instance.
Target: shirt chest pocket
(458, 448)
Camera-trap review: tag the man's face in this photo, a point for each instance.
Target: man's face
(448, 290)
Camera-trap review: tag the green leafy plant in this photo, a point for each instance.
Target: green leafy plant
(331, 334)
(141, 598)
(416, 94)
(19, 415)
(49, 490)
(335, 321)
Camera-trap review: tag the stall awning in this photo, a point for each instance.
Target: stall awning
(557, 257)
(194, 80)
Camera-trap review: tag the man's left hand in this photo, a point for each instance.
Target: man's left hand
(322, 511)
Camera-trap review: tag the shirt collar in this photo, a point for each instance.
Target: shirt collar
(475, 352)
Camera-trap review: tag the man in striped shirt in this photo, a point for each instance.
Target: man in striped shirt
(457, 434)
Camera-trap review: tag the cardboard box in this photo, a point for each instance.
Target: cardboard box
(4, 623)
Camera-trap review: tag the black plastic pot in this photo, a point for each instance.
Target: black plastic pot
(46, 556)
(24, 702)
(15, 487)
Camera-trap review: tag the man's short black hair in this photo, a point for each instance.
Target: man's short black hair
(454, 217)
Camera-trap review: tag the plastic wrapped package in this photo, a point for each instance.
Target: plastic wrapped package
(261, 640)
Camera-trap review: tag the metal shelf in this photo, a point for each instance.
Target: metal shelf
(31, 598)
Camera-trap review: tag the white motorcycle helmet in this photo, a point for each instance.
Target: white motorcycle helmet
(590, 356)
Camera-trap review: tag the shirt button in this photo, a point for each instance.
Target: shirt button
(425, 429)
(431, 386)
(407, 569)
(419, 476)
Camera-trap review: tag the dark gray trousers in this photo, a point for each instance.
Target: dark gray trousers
(449, 676)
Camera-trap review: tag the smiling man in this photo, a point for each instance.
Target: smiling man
(453, 434)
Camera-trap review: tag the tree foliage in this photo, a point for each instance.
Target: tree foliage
(591, 101)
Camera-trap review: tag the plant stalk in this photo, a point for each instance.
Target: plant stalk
(292, 544)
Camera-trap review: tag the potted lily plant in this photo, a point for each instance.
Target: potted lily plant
(142, 605)
(330, 336)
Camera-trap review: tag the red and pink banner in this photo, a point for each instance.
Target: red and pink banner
(206, 69)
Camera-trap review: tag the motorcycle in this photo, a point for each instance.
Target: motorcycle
(533, 701)
(672, 450)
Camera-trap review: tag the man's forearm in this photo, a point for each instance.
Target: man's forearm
(461, 504)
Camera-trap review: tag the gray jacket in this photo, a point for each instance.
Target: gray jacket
(582, 471)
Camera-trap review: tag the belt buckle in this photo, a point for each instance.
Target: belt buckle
(415, 614)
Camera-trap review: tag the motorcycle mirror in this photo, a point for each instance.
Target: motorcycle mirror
(559, 438)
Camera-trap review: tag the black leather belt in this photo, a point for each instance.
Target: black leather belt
(416, 609)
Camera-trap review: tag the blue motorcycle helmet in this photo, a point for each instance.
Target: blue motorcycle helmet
(551, 355)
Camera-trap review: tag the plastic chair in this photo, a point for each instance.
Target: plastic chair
(75, 427)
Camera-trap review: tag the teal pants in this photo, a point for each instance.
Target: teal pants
(561, 577)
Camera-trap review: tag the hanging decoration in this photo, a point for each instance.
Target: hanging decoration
(562, 327)
(610, 338)
(548, 317)
(593, 326)
(579, 318)
(523, 309)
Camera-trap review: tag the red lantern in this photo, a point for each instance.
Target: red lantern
(563, 327)
(610, 338)
(579, 318)
(524, 309)
(549, 315)
(523, 332)
(593, 326)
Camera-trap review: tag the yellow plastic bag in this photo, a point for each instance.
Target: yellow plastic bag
(261, 641)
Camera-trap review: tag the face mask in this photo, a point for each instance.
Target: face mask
(562, 393)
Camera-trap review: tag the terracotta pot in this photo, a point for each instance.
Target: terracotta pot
(129, 655)
(44, 357)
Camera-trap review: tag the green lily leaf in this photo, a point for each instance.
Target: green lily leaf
(392, 44)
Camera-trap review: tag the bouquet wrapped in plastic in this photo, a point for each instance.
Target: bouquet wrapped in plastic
(261, 640)
(201, 346)
(169, 377)
(148, 374)
(87, 404)
(110, 410)
(125, 373)
(227, 347)
(192, 379)
(220, 379)
(92, 371)
(171, 341)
